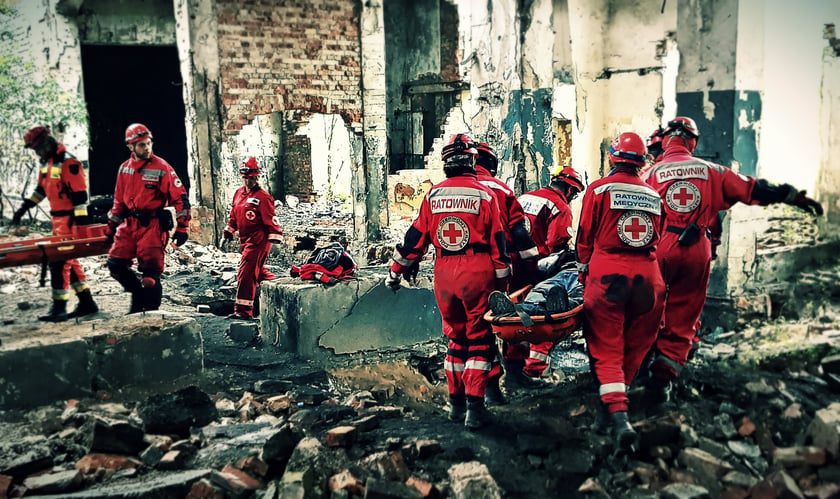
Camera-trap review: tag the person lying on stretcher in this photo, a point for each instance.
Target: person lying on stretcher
(559, 293)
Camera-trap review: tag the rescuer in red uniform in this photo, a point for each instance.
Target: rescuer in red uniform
(254, 217)
(549, 219)
(139, 223)
(62, 181)
(460, 218)
(694, 191)
(620, 225)
(521, 247)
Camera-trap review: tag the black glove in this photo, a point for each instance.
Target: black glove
(393, 280)
(81, 220)
(16, 218)
(180, 238)
(227, 235)
(803, 202)
(410, 273)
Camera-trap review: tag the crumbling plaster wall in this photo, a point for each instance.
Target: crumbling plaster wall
(50, 42)
(829, 180)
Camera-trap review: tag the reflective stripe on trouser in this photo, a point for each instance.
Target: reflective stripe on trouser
(462, 285)
(537, 361)
(623, 302)
(145, 243)
(686, 273)
(254, 253)
(72, 270)
(60, 294)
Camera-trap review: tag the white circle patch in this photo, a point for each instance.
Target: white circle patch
(682, 196)
(635, 228)
(177, 182)
(453, 234)
(250, 215)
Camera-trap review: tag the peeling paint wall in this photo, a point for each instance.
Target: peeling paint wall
(828, 185)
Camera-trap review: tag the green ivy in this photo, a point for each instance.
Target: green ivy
(29, 96)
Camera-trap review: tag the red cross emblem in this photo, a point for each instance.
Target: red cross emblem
(682, 197)
(453, 234)
(635, 228)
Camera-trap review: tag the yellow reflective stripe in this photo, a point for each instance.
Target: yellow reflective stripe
(60, 294)
(80, 286)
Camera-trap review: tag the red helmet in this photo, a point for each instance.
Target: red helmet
(628, 148)
(487, 158)
(682, 126)
(459, 144)
(654, 143)
(136, 132)
(569, 176)
(249, 168)
(34, 136)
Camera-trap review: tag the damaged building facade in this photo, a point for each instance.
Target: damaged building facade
(349, 102)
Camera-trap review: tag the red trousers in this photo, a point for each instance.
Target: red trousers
(251, 273)
(686, 272)
(145, 243)
(71, 272)
(462, 285)
(623, 300)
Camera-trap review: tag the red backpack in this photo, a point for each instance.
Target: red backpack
(328, 265)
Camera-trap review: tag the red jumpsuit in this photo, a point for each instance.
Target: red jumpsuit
(254, 217)
(460, 218)
(550, 222)
(144, 189)
(693, 191)
(62, 181)
(620, 225)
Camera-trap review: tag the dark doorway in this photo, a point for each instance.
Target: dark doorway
(131, 84)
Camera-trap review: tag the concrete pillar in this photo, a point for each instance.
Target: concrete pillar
(370, 184)
(196, 37)
(828, 191)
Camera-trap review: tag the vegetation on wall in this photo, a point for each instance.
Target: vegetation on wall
(29, 96)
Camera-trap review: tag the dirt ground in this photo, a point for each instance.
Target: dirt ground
(540, 444)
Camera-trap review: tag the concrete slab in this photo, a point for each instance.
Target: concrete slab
(40, 365)
(317, 321)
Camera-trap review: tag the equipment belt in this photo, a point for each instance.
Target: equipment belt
(674, 229)
(471, 249)
(61, 213)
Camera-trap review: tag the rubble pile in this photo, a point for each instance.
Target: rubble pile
(737, 428)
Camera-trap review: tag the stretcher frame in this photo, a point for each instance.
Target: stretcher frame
(554, 327)
(87, 240)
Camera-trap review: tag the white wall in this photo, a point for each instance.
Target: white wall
(789, 144)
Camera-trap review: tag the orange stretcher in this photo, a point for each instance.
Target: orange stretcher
(88, 240)
(554, 327)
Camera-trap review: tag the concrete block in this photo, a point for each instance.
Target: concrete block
(243, 331)
(61, 366)
(316, 321)
(148, 349)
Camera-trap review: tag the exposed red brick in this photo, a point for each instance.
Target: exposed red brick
(93, 462)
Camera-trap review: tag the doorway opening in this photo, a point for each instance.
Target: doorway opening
(132, 84)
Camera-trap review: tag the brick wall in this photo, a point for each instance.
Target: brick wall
(297, 167)
(278, 55)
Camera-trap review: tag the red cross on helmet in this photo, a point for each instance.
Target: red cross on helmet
(34, 136)
(628, 148)
(569, 176)
(250, 168)
(487, 158)
(136, 132)
(458, 145)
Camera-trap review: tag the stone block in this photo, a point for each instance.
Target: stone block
(824, 430)
(243, 331)
(472, 479)
(364, 315)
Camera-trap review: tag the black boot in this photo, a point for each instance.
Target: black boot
(86, 305)
(58, 312)
(624, 435)
(657, 392)
(136, 302)
(152, 296)
(457, 408)
(515, 377)
(477, 414)
(493, 395)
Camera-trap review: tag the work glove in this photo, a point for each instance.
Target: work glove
(81, 220)
(502, 284)
(410, 272)
(803, 202)
(110, 232)
(180, 238)
(393, 280)
(16, 218)
(227, 235)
